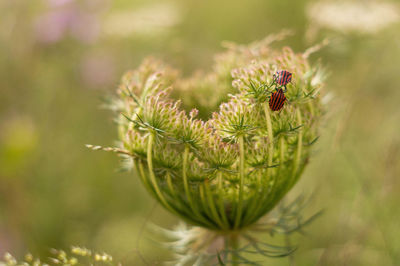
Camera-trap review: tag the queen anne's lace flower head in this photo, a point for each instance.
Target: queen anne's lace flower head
(226, 172)
(245, 157)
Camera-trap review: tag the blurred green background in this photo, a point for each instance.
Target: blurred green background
(58, 58)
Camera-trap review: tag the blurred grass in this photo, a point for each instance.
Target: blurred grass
(56, 193)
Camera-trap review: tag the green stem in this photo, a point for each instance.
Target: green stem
(241, 185)
(170, 185)
(271, 181)
(299, 145)
(203, 200)
(234, 246)
(270, 137)
(254, 204)
(183, 208)
(259, 179)
(299, 148)
(139, 169)
(184, 175)
(153, 180)
(211, 204)
(221, 204)
(281, 152)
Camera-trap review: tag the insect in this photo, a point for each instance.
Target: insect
(283, 77)
(277, 100)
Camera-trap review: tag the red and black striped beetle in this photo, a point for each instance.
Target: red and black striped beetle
(277, 100)
(283, 77)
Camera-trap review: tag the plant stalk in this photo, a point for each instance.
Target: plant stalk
(270, 137)
(233, 247)
(184, 175)
(153, 180)
(241, 185)
(221, 204)
(299, 145)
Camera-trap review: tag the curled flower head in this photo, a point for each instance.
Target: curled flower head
(225, 173)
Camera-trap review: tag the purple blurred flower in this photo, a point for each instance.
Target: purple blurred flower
(65, 18)
(53, 26)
